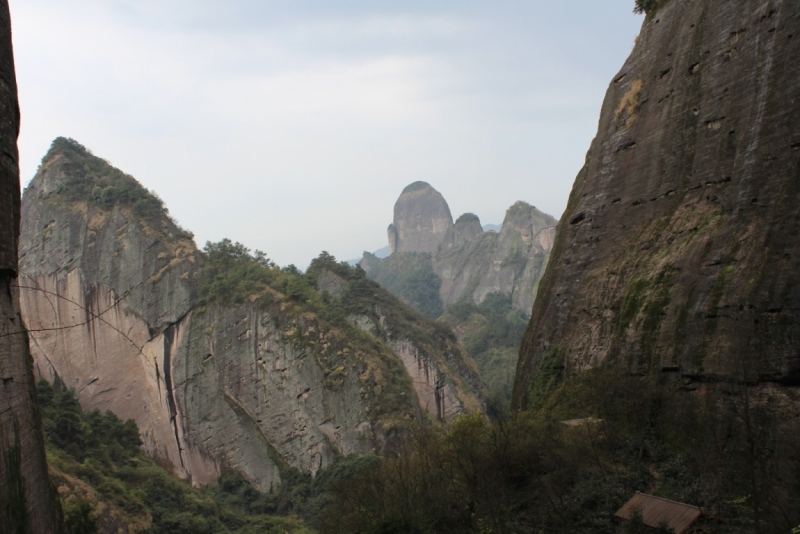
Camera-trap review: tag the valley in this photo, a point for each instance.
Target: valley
(630, 367)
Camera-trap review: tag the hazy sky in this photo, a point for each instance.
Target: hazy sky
(292, 126)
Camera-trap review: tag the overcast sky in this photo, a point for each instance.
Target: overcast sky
(292, 126)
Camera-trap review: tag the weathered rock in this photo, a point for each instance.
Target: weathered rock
(421, 220)
(27, 502)
(111, 299)
(467, 227)
(679, 247)
(469, 262)
(511, 262)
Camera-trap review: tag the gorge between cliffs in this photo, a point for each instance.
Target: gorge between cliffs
(630, 367)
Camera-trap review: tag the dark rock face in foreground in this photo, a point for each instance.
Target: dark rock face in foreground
(27, 500)
(679, 248)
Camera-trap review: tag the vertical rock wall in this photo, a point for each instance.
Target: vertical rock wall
(679, 248)
(27, 499)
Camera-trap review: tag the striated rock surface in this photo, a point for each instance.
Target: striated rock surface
(274, 378)
(27, 500)
(469, 262)
(678, 250)
(511, 262)
(421, 220)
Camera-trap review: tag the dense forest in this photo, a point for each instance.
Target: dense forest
(565, 466)
(588, 445)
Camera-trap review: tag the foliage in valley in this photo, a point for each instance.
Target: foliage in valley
(491, 332)
(731, 449)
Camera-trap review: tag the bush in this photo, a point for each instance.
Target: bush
(731, 452)
(93, 180)
(647, 6)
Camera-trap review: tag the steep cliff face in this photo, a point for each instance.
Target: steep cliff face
(511, 262)
(469, 262)
(678, 250)
(421, 220)
(27, 499)
(125, 310)
(100, 286)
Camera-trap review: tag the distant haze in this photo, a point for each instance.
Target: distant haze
(293, 126)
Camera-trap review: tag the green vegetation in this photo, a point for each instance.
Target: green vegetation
(647, 6)
(733, 450)
(232, 275)
(410, 276)
(548, 375)
(491, 332)
(93, 180)
(103, 454)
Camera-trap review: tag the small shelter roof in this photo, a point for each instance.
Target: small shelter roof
(656, 511)
(579, 422)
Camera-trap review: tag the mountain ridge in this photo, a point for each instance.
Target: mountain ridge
(221, 357)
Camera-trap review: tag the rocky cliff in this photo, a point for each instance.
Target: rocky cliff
(27, 500)
(678, 250)
(469, 262)
(222, 359)
(421, 220)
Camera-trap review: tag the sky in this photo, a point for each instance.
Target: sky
(292, 126)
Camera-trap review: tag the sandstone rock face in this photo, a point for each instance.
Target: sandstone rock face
(471, 263)
(511, 262)
(421, 220)
(27, 500)
(110, 297)
(444, 377)
(467, 227)
(678, 249)
(99, 289)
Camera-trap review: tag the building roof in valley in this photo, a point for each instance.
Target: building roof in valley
(656, 511)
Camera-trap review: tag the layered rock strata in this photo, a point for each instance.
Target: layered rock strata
(678, 250)
(469, 262)
(111, 299)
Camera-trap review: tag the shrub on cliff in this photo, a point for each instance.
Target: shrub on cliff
(93, 180)
(647, 6)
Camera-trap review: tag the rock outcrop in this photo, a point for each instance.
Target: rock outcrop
(511, 262)
(421, 220)
(259, 384)
(27, 500)
(469, 262)
(678, 250)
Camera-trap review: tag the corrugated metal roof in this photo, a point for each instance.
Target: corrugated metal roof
(657, 511)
